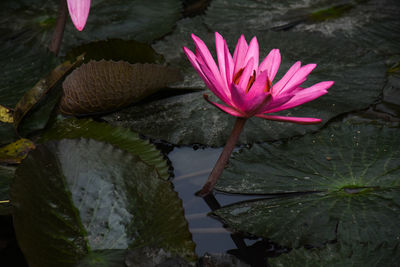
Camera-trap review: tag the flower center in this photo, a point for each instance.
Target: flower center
(268, 86)
(238, 75)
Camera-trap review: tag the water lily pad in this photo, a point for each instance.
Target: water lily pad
(104, 258)
(21, 67)
(117, 49)
(336, 255)
(6, 176)
(103, 86)
(359, 77)
(74, 196)
(139, 19)
(355, 169)
(337, 157)
(14, 153)
(117, 136)
(7, 133)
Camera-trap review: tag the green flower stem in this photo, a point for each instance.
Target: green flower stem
(59, 28)
(223, 158)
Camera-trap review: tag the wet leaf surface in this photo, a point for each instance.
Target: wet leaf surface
(6, 176)
(103, 86)
(336, 255)
(355, 169)
(76, 195)
(140, 20)
(189, 119)
(117, 136)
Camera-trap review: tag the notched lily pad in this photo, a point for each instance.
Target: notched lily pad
(76, 196)
(103, 86)
(14, 153)
(355, 169)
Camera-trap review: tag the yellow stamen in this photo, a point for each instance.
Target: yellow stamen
(251, 81)
(268, 86)
(236, 77)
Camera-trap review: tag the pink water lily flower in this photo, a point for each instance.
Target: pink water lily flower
(247, 87)
(79, 12)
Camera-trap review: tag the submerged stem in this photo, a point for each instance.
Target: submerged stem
(223, 158)
(59, 28)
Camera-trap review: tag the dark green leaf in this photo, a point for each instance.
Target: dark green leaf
(356, 170)
(6, 176)
(15, 152)
(342, 155)
(117, 136)
(76, 190)
(336, 255)
(104, 258)
(103, 86)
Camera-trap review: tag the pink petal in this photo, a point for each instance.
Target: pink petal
(220, 47)
(248, 105)
(305, 95)
(229, 65)
(79, 12)
(207, 58)
(282, 82)
(259, 85)
(298, 78)
(275, 102)
(297, 120)
(219, 90)
(252, 53)
(271, 64)
(247, 72)
(240, 54)
(226, 109)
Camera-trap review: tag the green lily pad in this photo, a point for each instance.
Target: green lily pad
(104, 258)
(141, 20)
(117, 49)
(104, 86)
(21, 68)
(359, 77)
(117, 136)
(74, 196)
(336, 255)
(337, 157)
(7, 133)
(351, 176)
(6, 176)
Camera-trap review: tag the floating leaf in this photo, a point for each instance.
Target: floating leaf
(7, 133)
(129, 19)
(117, 136)
(33, 96)
(336, 255)
(6, 115)
(6, 176)
(76, 190)
(143, 257)
(355, 169)
(359, 77)
(103, 86)
(117, 49)
(14, 153)
(104, 258)
(21, 67)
